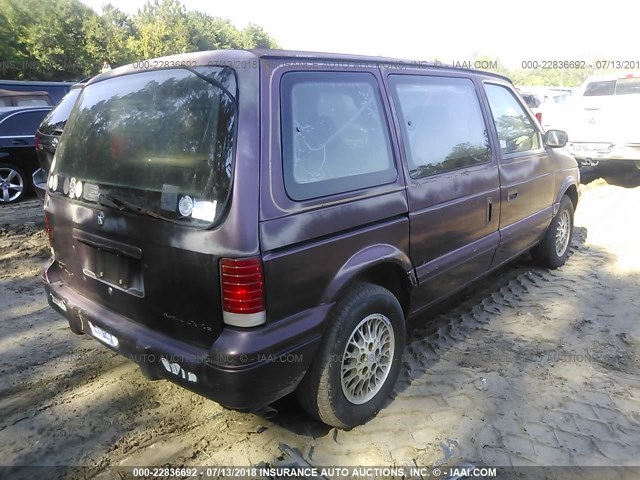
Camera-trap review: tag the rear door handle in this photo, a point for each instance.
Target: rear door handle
(19, 142)
(512, 195)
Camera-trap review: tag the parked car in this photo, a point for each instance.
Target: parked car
(55, 90)
(10, 98)
(48, 137)
(603, 123)
(547, 104)
(18, 158)
(248, 232)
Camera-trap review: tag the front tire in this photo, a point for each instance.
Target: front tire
(13, 184)
(553, 250)
(359, 358)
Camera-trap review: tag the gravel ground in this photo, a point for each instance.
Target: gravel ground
(531, 367)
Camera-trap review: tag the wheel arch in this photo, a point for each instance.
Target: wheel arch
(570, 189)
(383, 265)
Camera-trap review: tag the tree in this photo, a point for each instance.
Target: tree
(163, 29)
(256, 37)
(111, 37)
(69, 41)
(212, 33)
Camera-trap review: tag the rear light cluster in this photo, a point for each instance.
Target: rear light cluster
(242, 283)
(539, 117)
(47, 228)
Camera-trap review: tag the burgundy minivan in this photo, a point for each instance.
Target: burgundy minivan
(250, 223)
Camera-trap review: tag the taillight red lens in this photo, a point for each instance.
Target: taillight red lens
(242, 285)
(539, 117)
(47, 228)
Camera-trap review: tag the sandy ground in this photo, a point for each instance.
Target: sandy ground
(531, 367)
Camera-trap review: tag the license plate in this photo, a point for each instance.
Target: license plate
(596, 147)
(103, 336)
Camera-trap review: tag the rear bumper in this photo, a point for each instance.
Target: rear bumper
(244, 369)
(604, 151)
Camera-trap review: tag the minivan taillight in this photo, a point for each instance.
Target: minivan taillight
(539, 117)
(47, 228)
(242, 284)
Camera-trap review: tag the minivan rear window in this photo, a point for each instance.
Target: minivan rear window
(335, 136)
(162, 140)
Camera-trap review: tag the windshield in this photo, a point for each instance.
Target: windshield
(532, 100)
(628, 86)
(600, 89)
(54, 122)
(162, 140)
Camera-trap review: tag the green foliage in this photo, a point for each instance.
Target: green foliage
(255, 37)
(69, 41)
(553, 77)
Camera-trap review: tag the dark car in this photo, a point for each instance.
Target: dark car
(251, 223)
(10, 98)
(18, 158)
(48, 137)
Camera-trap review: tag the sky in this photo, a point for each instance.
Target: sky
(449, 30)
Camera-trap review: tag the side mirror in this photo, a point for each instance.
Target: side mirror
(555, 139)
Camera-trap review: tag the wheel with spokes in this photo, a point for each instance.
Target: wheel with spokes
(358, 361)
(553, 250)
(13, 184)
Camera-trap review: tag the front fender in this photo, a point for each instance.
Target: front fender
(568, 181)
(365, 259)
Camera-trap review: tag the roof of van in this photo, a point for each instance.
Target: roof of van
(226, 56)
(13, 93)
(603, 77)
(35, 83)
(343, 57)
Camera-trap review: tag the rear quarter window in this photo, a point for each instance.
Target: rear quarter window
(335, 136)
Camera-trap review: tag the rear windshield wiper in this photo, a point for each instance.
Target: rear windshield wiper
(215, 82)
(119, 203)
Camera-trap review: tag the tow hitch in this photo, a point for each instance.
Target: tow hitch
(588, 162)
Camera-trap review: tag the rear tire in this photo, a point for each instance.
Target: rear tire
(359, 358)
(14, 184)
(553, 250)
